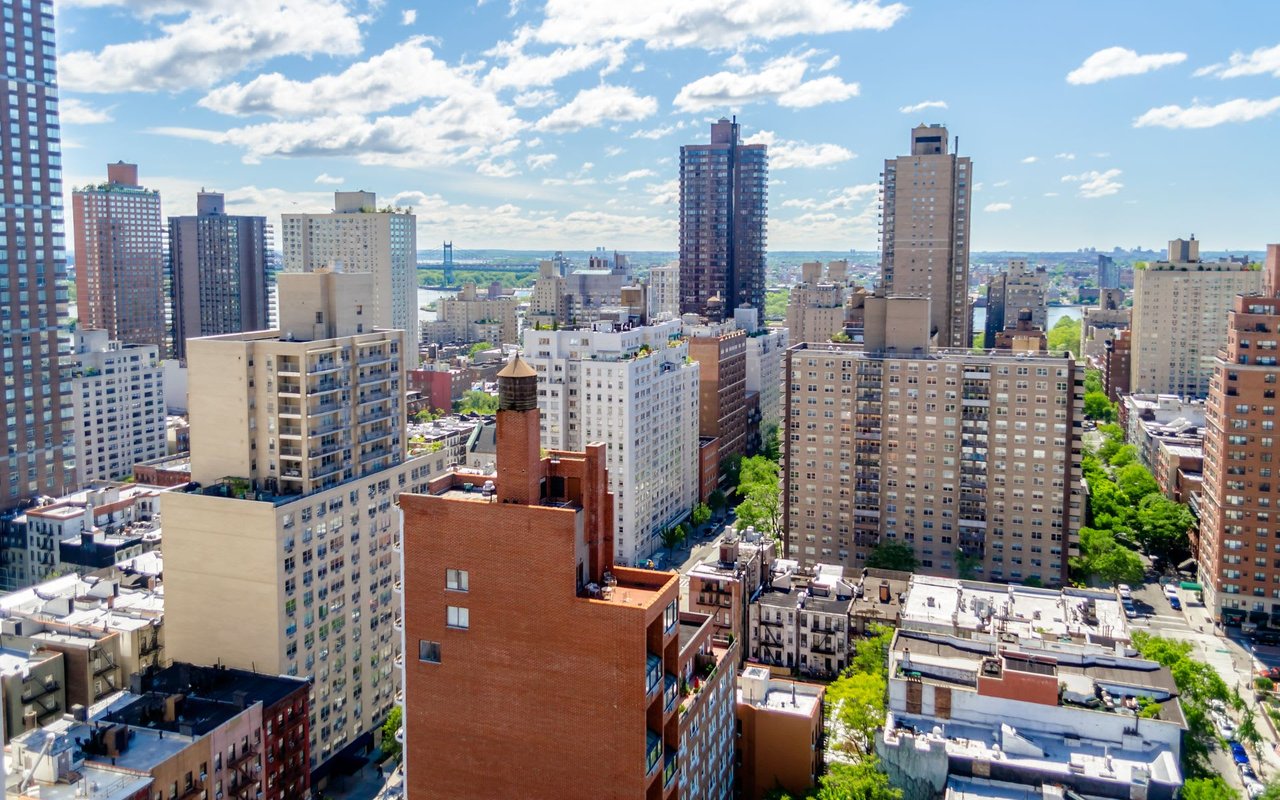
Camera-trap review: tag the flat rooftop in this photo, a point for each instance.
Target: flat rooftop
(757, 687)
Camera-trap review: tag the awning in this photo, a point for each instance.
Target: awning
(1190, 586)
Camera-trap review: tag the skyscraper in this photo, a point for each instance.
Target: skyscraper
(1017, 288)
(925, 248)
(724, 202)
(361, 238)
(1236, 529)
(1108, 273)
(120, 259)
(39, 454)
(218, 264)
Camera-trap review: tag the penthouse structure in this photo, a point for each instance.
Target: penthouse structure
(219, 270)
(117, 394)
(120, 259)
(925, 222)
(659, 702)
(957, 454)
(1180, 318)
(635, 389)
(360, 238)
(816, 308)
(1236, 528)
(298, 445)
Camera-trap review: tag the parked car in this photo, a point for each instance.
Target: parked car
(1171, 590)
(1271, 672)
(1129, 610)
(1124, 591)
(1238, 754)
(1175, 603)
(1254, 788)
(1247, 773)
(1268, 636)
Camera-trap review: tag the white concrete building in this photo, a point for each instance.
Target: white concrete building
(766, 365)
(117, 393)
(664, 291)
(362, 239)
(636, 390)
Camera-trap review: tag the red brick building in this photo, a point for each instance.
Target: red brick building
(722, 386)
(534, 667)
(1116, 363)
(439, 388)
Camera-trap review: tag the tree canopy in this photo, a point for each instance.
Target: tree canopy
(892, 554)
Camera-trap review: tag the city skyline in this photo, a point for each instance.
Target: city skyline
(557, 125)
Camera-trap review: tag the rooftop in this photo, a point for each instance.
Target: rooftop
(757, 687)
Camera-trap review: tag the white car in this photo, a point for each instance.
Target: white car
(1170, 590)
(1254, 788)
(1125, 592)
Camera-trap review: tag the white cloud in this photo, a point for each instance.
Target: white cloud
(1263, 61)
(522, 70)
(329, 180)
(596, 106)
(404, 74)
(634, 175)
(535, 98)
(709, 24)
(613, 150)
(994, 207)
(1117, 62)
(780, 80)
(1201, 116)
(1094, 184)
(1050, 194)
(540, 160)
(999, 184)
(790, 154)
(1030, 160)
(829, 64)
(658, 132)
(847, 197)
(912, 109)
(408, 16)
(836, 228)
(211, 42)
(1065, 156)
(663, 194)
(76, 112)
(497, 169)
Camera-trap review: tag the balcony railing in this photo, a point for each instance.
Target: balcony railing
(653, 751)
(671, 767)
(653, 673)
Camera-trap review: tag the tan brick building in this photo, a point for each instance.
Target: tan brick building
(536, 668)
(947, 450)
(721, 349)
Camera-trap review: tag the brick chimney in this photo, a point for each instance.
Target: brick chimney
(518, 437)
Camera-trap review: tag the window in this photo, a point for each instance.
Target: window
(458, 617)
(456, 580)
(429, 651)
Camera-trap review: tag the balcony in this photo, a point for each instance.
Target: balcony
(671, 767)
(653, 674)
(670, 692)
(653, 752)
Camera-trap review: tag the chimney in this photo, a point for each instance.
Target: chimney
(518, 439)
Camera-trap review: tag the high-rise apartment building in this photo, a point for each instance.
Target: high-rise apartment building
(633, 390)
(219, 266)
(298, 445)
(1179, 318)
(512, 604)
(724, 203)
(1018, 288)
(39, 454)
(1117, 365)
(664, 291)
(721, 349)
(971, 459)
(362, 238)
(766, 355)
(117, 392)
(816, 309)
(120, 259)
(925, 222)
(1108, 273)
(1236, 525)
(469, 317)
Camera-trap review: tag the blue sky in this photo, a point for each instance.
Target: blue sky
(557, 124)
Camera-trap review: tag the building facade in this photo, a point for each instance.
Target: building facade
(971, 459)
(664, 291)
(40, 453)
(219, 270)
(1179, 318)
(766, 357)
(1108, 273)
(469, 318)
(925, 231)
(298, 445)
(634, 390)
(1236, 529)
(656, 701)
(816, 309)
(362, 239)
(724, 205)
(781, 743)
(721, 350)
(117, 394)
(1009, 293)
(120, 259)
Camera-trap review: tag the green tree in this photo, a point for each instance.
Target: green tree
(891, 554)
(479, 347)
(770, 447)
(861, 781)
(757, 470)
(967, 565)
(1123, 456)
(1119, 565)
(762, 507)
(1271, 792)
(1247, 732)
(1098, 407)
(390, 746)
(476, 402)
(1161, 527)
(1092, 381)
(673, 537)
(858, 699)
(1211, 788)
(775, 304)
(730, 467)
(716, 500)
(1065, 335)
(700, 515)
(1136, 482)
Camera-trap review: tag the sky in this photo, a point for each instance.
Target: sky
(556, 124)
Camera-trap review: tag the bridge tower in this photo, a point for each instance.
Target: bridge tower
(448, 263)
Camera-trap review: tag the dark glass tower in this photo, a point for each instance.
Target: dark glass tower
(39, 449)
(724, 203)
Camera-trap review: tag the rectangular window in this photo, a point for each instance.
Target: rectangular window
(456, 580)
(458, 617)
(429, 651)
